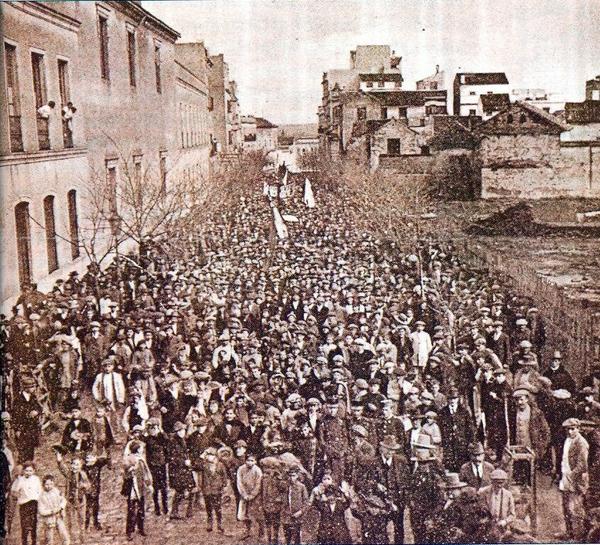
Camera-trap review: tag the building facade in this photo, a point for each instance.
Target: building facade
(435, 82)
(109, 69)
(540, 98)
(226, 115)
(194, 120)
(468, 87)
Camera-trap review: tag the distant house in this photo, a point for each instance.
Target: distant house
(434, 82)
(490, 105)
(375, 141)
(468, 87)
(522, 156)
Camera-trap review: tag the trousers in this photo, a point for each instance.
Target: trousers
(28, 516)
(136, 509)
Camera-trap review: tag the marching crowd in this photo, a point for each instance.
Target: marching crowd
(330, 377)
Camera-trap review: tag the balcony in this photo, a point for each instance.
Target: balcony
(16, 134)
(43, 130)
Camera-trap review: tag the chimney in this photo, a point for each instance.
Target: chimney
(437, 69)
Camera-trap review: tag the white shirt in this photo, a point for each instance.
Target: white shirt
(565, 482)
(27, 489)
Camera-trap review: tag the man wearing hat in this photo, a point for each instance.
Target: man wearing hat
(27, 418)
(528, 426)
(499, 342)
(393, 477)
(499, 500)
(94, 349)
(574, 480)
(476, 473)
(181, 477)
(294, 505)
(334, 440)
(560, 377)
(456, 426)
(495, 400)
(157, 446)
(426, 495)
(421, 345)
(588, 408)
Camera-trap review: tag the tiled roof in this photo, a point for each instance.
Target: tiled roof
(495, 102)
(545, 123)
(450, 133)
(408, 98)
(379, 76)
(262, 123)
(482, 78)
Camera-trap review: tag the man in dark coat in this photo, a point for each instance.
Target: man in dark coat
(499, 342)
(27, 413)
(393, 476)
(334, 440)
(136, 480)
(181, 477)
(77, 435)
(157, 447)
(253, 434)
(331, 504)
(228, 431)
(560, 377)
(495, 400)
(456, 427)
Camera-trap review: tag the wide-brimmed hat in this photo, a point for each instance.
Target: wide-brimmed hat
(453, 481)
(360, 430)
(423, 441)
(389, 442)
(571, 423)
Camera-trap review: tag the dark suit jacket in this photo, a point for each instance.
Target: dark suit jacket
(222, 436)
(396, 478)
(468, 476)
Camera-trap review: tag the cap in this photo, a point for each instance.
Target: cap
(571, 423)
(178, 426)
(240, 443)
(498, 475)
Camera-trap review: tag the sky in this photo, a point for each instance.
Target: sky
(277, 50)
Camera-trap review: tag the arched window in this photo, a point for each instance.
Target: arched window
(50, 233)
(73, 223)
(23, 232)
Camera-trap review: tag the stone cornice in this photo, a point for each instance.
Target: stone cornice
(46, 12)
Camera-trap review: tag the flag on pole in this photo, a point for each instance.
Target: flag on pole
(280, 227)
(309, 198)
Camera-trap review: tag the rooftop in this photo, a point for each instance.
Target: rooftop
(494, 102)
(482, 78)
(408, 98)
(262, 123)
(381, 76)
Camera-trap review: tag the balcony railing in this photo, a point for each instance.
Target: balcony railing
(43, 130)
(16, 133)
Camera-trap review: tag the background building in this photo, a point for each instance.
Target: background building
(468, 87)
(194, 120)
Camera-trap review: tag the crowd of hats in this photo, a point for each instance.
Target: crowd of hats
(283, 327)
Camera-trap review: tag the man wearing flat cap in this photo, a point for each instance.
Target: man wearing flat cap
(476, 473)
(574, 480)
(499, 499)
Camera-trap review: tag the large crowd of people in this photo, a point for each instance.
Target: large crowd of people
(329, 376)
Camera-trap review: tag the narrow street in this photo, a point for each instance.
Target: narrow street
(324, 231)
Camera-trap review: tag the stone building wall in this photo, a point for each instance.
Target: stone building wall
(572, 172)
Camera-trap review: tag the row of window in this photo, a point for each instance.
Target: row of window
(23, 235)
(193, 125)
(104, 37)
(40, 86)
(381, 84)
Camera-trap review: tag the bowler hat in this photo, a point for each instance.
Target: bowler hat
(453, 481)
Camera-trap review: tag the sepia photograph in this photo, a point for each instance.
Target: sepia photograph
(319, 272)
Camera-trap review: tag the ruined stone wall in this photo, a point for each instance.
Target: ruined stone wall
(537, 172)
